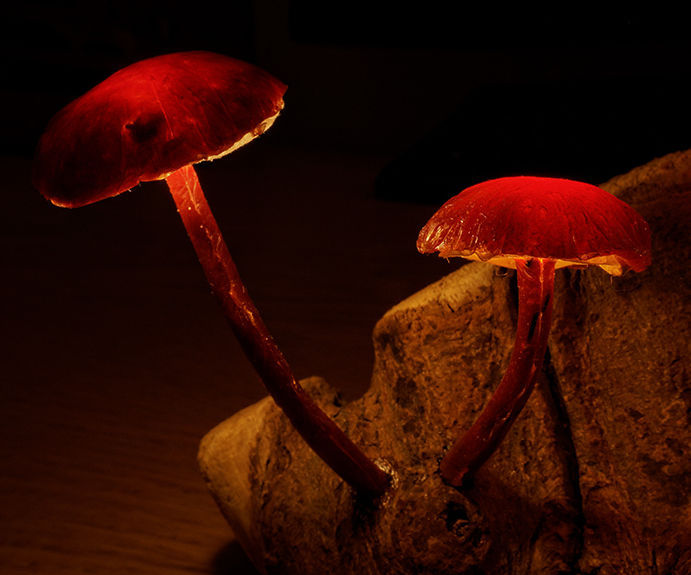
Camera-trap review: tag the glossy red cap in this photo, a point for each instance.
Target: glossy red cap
(150, 119)
(570, 222)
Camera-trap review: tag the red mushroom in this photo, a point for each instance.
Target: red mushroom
(153, 120)
(534, 225)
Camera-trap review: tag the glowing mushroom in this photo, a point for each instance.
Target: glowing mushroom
(534, 225)
(153, 120)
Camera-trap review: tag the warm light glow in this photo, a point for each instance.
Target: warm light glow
(610, 263)
(249, 136)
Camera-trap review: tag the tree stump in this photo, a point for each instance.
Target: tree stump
(592, 478)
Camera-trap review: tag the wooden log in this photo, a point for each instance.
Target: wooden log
(592, 478)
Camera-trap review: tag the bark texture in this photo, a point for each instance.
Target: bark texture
(620, 350)
(592, 478)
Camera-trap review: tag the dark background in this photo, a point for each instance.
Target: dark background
(453, 92)
(115, 359)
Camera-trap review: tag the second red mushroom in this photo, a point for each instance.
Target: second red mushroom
(534, 225)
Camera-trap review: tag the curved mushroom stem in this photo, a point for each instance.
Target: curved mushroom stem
(472, 449)
(318, 430)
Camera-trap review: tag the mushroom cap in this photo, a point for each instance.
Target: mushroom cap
(570, 222)
(150, 119)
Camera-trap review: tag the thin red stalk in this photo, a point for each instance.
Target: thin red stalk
(475, 446)
(318, 430)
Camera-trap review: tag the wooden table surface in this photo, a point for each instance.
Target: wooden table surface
(116, 359)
